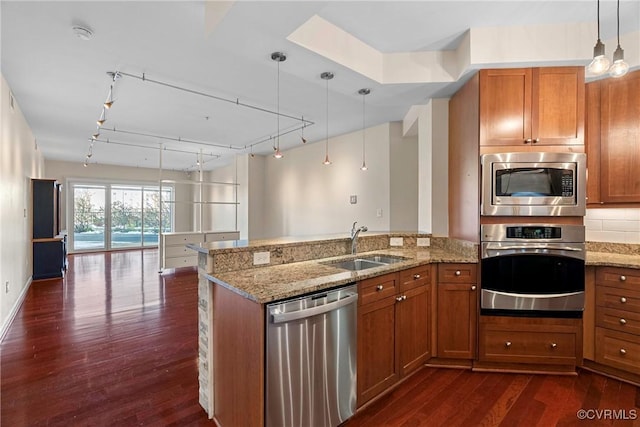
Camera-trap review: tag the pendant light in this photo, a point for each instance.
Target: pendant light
(109, 102)
(304, 125)
(600, 63)
(278, 57)
(619, 67)
(102, 118)
(326, 76)
(364, 92)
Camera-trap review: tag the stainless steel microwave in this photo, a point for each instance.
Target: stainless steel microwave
(533, 184)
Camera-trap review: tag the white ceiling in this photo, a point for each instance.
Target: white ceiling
(60, 81)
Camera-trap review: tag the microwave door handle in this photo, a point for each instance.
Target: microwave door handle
(562, 248)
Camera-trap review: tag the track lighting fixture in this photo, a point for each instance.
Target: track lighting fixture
(278, 57)
(364, 92)
(109, 102)
(326, 76)
(619, 67)
(103, 117)
(600, 63)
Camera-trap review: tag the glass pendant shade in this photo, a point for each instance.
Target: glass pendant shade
(619, 67)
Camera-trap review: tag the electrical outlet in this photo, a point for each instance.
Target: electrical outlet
(260, 258)
(423, 241)
(379, 212)
(353, 199)
(396, 241)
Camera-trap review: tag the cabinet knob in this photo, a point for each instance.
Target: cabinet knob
(528, 141)
(473, 287)
(457, 273)
(401, 298)
(507, 344)
(623, 278)
(416, 276)
(535, 141)
(554, 345)
(623, 300)
(623, 351)
(379, 288)
(623, 322)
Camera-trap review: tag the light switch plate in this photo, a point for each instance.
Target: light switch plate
(396, 241)
(353, 199)
(423, 241)
(260, 258)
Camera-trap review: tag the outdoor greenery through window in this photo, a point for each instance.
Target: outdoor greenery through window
(110, 216)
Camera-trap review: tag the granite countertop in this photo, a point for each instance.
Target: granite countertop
(267, 284)
(613, 259)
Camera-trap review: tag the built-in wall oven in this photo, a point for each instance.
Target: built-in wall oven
(532, 270)
(533, 184)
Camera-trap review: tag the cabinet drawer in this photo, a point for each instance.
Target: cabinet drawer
(622, 278)
(528, 347)
(177, 239)
(619, 320)
(215, 237)
(618, 349)
(415, 277)
(181, 261)
(377, 288)
(178, 251)
(457, 273)
(620, 299)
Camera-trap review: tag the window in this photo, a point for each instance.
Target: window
(117, 216)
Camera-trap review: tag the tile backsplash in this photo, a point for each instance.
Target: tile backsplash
(613, 225)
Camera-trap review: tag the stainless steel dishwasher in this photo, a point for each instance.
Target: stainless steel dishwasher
(311, 359)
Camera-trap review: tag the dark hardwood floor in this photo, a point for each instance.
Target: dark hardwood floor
(115, 344)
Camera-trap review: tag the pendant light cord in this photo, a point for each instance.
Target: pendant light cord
(598, 19)
(327, 124)
(618, 15)
(278, 109)
(363, 145)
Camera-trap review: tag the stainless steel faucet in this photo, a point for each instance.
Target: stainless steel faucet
(354, 236)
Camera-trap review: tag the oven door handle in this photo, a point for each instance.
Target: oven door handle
(492, 250)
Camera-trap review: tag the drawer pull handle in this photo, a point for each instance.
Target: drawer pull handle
(623, 322)
(623, 300)
(416, 276)
(401, 298)
(507, 344)
(379, 288)
(457, 273)
(623, 278)
(623, 351)
(473, 287)
(554, 346)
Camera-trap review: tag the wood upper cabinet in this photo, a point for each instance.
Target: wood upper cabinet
(532, 106)
(457, 311)
(615, 178)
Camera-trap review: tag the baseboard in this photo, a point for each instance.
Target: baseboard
(14, 310)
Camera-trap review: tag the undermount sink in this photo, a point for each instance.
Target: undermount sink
(363, 263)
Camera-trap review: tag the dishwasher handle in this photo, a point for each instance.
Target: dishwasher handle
(313, 311)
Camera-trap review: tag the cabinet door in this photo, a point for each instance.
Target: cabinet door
(557, 106)
(44, 208)
(457, 309)
(620, 139)
(505, 106)
(377, 356)
(413, 317)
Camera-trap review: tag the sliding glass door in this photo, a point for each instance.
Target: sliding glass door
(118, 216)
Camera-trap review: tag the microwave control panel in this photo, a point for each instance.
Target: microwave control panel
(567, 183)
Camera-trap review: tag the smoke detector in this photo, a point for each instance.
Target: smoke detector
(82, 33)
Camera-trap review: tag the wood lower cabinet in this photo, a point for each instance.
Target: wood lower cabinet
(457, 301)
(394, 318)
(617, 319)
(534, 341)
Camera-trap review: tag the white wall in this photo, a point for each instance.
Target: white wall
(255, 206)
(20, 161)
(225, 217)
(403, 177)
(613, 225)
(304, 197)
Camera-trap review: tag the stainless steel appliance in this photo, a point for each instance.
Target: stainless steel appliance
(311, 359)
(534, 184)
(532, 269)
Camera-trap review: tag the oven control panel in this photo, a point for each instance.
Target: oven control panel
(534, 232)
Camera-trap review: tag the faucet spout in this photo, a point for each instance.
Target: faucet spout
(355, 232)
